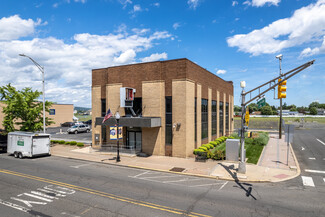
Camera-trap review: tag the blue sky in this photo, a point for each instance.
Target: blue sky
(236, 40)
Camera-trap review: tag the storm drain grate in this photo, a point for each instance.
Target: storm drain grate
(177, 169)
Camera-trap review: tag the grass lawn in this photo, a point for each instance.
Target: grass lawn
(253, 152)
(83, 117)
(273, 122)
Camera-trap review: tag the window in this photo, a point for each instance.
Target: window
(137, 107)
(204, 118)
(221, 118)
(214, 117)
(103, 107)
(52, 112)
(227, 117)
(195, 119)
(169, 121)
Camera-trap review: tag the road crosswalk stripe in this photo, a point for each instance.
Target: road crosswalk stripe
(307, 181)
(314, 171)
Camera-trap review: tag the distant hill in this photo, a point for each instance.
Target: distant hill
(81, 109)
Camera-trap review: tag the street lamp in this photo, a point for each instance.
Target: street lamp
(280, 124)
(117, 117)
(41, 68)
(242, 164)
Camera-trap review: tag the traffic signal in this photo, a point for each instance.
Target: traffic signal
(282, 89)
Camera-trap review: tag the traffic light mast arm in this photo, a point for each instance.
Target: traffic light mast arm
(274, 82)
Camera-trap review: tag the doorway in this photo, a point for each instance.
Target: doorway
(134, 139)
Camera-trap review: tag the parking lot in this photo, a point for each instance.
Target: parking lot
(60, 133)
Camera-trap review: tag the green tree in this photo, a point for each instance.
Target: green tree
(314, 104)
(22, 109)
(237, 108)
(253, 107)
(313, 111)
(266, 110)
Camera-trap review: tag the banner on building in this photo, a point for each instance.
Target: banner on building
(113, 133)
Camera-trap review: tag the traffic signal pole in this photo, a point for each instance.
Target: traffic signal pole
(271, 86)
(280, 124)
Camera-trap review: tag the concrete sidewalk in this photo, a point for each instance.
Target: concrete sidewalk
(272, 166)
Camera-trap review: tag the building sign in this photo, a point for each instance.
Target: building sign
(261, 103)
(52, 112)
(20, 142)
(113, 133)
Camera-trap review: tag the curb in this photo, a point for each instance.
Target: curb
(166, 171)
(297, 164)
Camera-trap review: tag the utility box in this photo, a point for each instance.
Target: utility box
(28, 144)
(232, 149)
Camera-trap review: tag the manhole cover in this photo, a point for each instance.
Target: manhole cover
(177, 169)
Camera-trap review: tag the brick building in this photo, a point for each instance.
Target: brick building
(179, 106)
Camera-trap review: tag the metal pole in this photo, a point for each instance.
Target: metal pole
(288, 145)
(44, 130)
(280, 124)
(118, 144)
(242, 164)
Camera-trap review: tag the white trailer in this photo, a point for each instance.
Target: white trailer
(28, 144)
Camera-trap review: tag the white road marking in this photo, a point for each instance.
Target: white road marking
(154, 177)
(320, 141)
(324, 179)
(27, 202)
(315, 171)
(302, 148)
(308, 181)
(312, 158)
(43, 195)
(139, 174)
(82, 165)
(223, 185)
(51, 192)
(183, 180)
(205, 185)
(38, 197)
(15, 206)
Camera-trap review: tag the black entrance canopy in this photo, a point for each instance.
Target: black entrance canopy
(131, 121)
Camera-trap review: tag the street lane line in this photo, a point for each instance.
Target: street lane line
(312, 158)
(315, 171)
(107, 195)
(205, 185)
(307, 181)
(223, 186)
(320, 141)
(139, 174)
(15, 206)
(324, 179)
(82, 165)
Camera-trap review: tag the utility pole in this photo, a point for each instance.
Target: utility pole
(259, 92)
(280, 123)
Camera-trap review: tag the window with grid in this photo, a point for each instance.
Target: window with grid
(195, 120)
(204, 118)
(227, 116)
(169, 121)
(221, 118)
(214, 117)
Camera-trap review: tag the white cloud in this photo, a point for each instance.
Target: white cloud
(234, 3)
(155, 57)
(317, 50)
(14, 27)
(157, 4)
(68, 65)
(307, 24)
(136, 8)
(176, 25)
(261, 3)
(81, 1)
(221, 72)
(193, 3)
(125, 3)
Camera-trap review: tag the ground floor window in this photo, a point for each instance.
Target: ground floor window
(221, 118)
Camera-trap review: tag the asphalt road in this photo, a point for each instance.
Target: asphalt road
(53, 186)
(80, 137)
(309, 147)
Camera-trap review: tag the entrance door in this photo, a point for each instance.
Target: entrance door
(134, 140)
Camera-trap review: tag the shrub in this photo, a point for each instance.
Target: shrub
(54, 141)
(61, 142)
(203, 148)
(67, 143)
(80, 144)
(219, 155)
(213, 143)
(209, 154)
(73, 143)
(195, 151)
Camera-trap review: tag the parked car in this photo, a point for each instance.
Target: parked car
(88, 122)
(79, 129)
(67, 124)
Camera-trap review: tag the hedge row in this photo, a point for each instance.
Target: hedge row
(72, 143)
(210, 145)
